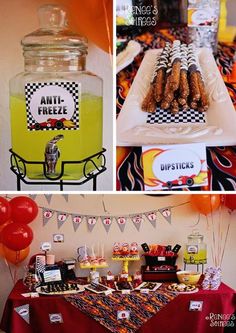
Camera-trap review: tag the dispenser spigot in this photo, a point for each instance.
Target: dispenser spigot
(52, 154)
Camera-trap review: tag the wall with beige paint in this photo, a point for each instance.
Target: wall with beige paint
(183, 221)
(19, 18)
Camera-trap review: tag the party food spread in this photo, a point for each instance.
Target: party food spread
(177, 82)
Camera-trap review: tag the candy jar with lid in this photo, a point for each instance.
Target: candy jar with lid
(195, 250)
(55, 104)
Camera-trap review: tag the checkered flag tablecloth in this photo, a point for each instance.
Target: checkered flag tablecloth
(72, 87)
(183, 116)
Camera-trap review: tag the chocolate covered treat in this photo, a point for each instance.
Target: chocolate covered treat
(176, 64)
(177, 82)
(160, 77)
(149, 102)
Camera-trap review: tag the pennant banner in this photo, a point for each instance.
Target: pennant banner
(106, 221)
(23, 311)
(166, 213)
(91, 221)
(66, 197)
(47, 215)
(152, 217)
(137, 220)
(32, 196)
(76, 220)
(121, 221)
(48, 198)
(61, 219)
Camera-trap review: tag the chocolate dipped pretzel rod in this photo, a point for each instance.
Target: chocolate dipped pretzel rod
(160, 69)
(149, 102)
(195, 94)
(176, 64)
(183, 84)
(204, 104)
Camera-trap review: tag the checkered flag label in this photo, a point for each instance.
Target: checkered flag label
(52, 105)
(183, 116)
(40, 264)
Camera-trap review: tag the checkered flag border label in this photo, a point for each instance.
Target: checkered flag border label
(74, 88)
(161, 116)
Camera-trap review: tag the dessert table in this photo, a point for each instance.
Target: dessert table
(174, 317)
(221, 161)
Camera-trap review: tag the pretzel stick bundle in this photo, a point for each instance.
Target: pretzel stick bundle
(156, 89)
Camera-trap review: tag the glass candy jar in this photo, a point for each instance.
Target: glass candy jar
(55, 104)
(195, 250)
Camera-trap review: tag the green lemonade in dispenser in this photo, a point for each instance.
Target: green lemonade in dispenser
(55, 104)
(195, 251)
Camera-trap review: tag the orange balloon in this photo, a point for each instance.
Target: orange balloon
(91, 18)
(205, 203)
(15, 257)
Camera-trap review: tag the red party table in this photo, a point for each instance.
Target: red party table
(218, 308)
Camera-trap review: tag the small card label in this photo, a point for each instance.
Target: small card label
(55, 318)
(124, 276)
(52, 105)
(123, 314)
(144, 291)
(161, 258)
(46, 246)
(110, 278)
(174, 166)
(195, 305)
(108, 292)
(125, 292)
(58, 238)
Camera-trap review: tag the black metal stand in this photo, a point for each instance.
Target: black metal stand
(19, 167)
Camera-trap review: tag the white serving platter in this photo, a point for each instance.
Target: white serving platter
(219, 129)
(127, 56)
(67, 292)
(90, 288)
(144, 286)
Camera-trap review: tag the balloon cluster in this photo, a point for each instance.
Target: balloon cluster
(207, 203)
(15, 234)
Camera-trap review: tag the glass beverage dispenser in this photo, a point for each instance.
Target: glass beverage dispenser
(195, 250)
(55, 104)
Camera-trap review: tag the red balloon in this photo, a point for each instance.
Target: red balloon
(230, 201)
(5, 210)
(17, 236)
(23, 209)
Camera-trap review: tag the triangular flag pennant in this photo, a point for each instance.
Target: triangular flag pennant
(76, 219)
(166, 213)
(152, 217)
(48, 198)
(137, 220)
(23, 311)
(106, 221)
(32, 196)
(66, 197)
(61, 219)
(91, 221)
(121, 221)
(47, 215)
